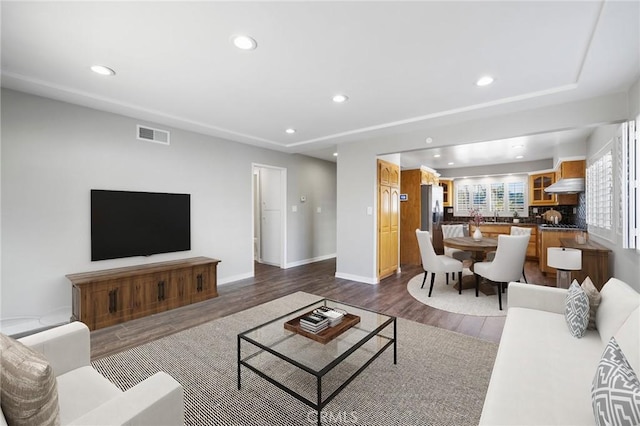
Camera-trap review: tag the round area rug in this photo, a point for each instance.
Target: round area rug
(446, 297)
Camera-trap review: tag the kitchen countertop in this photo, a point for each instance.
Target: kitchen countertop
(588, 245)
(559, 228)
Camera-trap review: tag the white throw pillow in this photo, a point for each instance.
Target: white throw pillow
(594, 301)
(576, 310)
(615, 392)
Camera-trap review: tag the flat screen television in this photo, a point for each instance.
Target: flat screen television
(126, 223)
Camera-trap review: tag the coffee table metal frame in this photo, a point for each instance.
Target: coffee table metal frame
(320, 403)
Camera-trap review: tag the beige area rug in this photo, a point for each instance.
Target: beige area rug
(440, 379)
(446, 297)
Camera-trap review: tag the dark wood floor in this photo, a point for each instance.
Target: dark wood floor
(269, 283)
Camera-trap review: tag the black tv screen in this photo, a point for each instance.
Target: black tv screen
(125, 223)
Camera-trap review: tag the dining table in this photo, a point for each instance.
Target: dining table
(479, 250)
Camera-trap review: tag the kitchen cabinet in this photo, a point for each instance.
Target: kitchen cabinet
(537, 184)
(567, 170)
(447, 192)
(493, 230)
(388, 218)
(595, 262)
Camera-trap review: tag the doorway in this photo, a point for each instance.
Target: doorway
(269, 214)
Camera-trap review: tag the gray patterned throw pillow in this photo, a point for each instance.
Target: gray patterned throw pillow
(576, 310)
(615, 392)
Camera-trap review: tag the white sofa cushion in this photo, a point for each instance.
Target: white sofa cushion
(616, 303)
(627, 338)
(576, 310)
(82, 390)
(615, 390)
(536, 367)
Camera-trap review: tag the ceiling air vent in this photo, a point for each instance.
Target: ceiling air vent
(153, 135)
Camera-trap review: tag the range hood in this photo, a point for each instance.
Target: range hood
(566, 186)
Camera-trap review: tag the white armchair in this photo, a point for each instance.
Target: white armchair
(85, 397)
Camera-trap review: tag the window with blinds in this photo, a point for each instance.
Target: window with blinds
(497, 197)
(599, 193)
(516, 194)
(501, 194)
(627, 164)
(463, 197)
(480, 200)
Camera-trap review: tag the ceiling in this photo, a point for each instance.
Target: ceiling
(402, 64)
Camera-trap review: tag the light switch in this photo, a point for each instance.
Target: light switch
(319, 209)
(294, 208)
(369, 211)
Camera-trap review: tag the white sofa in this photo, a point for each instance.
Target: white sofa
(542, 374)
(86, 397)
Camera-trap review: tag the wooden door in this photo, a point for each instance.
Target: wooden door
(388, 218)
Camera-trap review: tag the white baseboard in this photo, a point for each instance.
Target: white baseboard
(307, 261)
(228, 280)
(358, 278)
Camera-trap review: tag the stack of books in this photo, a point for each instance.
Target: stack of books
(334, 316)
(314, 323)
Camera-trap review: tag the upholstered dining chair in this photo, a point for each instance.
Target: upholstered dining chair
(434, 263)
(507, 264)
(452, 231)
(515, 230)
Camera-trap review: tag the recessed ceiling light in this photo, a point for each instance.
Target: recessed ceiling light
(484, 81)
(290, 131)
(428, 140)
(436, 155)
(517, 146)
(519, 157)
(102, 70)
(244, 42)
(335, 154)
(340, 98)
(451, 163)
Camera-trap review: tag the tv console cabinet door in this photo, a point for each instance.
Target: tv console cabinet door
(177, 293)
(109, 303)
(204, 282)
(145, 294)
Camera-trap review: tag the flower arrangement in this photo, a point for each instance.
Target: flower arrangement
(476, 216)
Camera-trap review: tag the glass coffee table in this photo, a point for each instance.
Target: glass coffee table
(313, 371)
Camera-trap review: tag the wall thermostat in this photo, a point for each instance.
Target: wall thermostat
(404, 197)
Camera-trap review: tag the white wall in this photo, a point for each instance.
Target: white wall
(356, 248)
(53, 153)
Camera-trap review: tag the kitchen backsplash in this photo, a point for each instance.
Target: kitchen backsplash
(568, 216)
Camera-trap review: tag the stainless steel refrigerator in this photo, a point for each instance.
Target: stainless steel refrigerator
(431, 209)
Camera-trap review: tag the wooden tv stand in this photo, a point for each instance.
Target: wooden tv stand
(112, 296)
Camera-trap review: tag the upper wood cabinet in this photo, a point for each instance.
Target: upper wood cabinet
(537, 184)
(388, 174)
(566, 170)
(447, 193)
(428, 178)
